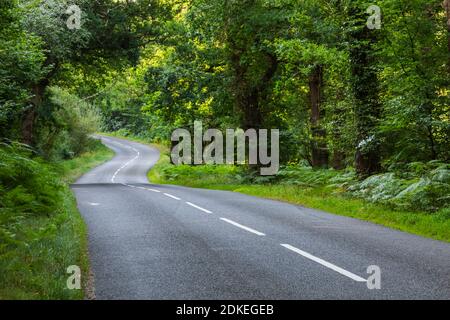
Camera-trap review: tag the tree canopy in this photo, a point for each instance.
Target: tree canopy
(342, 92)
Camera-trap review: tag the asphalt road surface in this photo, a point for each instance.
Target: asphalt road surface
(151, 241)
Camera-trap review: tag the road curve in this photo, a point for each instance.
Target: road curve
(151, 241)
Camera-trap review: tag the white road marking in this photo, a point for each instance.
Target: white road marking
(197, 207)
(325, 263)
(126, 164)
(129, 162)
(142, 188)
(243, 227)
(94, 204)
(171, 196)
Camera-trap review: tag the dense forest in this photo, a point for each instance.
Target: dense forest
(359, 90)
(342, 94)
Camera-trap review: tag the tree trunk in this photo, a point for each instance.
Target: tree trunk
(338, 160)
(249, 105)
(365, 87)
(319, 148)
(28, 125)
(30, 115)
(446, 5)
(248, 96)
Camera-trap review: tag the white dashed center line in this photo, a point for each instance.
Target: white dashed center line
(142, 188)
(199, 208)
(171, 196)
(243, 227)
(126, 164)
(325, 263)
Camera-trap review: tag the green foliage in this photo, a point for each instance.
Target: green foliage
(416, 187)
(28, 188)
(113, 30)
(41, 231)
(38, 50)
(73, 121)
(414, 50)
(383, 95)
(309, 177)
(47, 20)
(195, 175)
(420, 186)
(21, 61)
(202, 173)
(36, 269)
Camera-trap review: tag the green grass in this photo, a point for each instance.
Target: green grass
(71, 170)
(332, 200)
(35, 268)
(436, 226)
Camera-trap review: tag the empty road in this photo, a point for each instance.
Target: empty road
(151, 241)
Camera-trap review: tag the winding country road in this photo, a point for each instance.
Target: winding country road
(167, 242)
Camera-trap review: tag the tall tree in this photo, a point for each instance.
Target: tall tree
(414, 53)
(246, 29)
(365, 87)
(109, 31)
(446, 5)
(21, 65)
(319, 148)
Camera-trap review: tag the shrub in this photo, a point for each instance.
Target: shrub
(222, 174)
(420, 186)
(415, 186)
(27, 188)
(74, 120)
(309, 177)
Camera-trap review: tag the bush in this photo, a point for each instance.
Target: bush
(41, 231)
(27, 188)
(207, 174)
(309, 177)
(416, 186)
(74, 120)
(419, 186)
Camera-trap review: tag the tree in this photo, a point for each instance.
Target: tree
(245, 30)
(110, 31)
(365, 87)
(311, 49)
(414, 55)
(21, 65)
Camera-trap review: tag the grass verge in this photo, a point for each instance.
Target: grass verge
(35, 267)
(431, 225)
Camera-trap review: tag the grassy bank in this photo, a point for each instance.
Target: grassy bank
(331, 199)
(39, 244)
